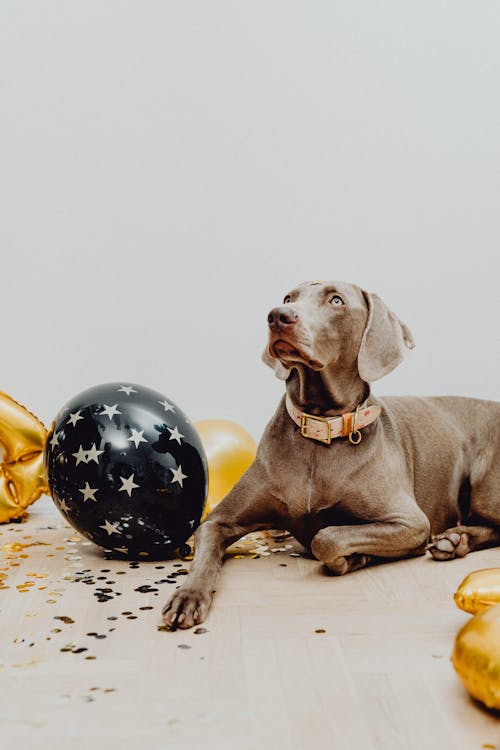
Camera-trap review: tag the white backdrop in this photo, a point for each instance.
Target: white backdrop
(169, 169)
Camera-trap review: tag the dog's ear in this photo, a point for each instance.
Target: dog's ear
(280, 370)
(384, 343)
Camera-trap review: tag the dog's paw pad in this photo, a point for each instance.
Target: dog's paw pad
(448, 545)
(445, 545)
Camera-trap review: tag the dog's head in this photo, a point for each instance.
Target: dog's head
(322, 324)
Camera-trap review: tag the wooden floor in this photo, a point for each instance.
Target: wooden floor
(291, 658)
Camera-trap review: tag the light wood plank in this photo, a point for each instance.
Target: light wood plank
(261, 677)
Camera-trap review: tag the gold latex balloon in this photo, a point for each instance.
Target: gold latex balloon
(230, 451)
(22, 440)
(481, 589)
(476, 656)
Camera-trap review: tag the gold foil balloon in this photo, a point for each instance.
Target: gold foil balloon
(481, 589)
(476, 656)
(230, 450)
(22, 440)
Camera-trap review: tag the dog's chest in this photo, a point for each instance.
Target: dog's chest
(309, 477)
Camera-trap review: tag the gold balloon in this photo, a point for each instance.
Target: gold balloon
(22, 440)
(481, 589)
(230, 451)
(476, 656)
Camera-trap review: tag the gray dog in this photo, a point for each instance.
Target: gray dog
(355, 479)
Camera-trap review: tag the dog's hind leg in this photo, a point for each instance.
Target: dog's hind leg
(482, 511)
(346, 548)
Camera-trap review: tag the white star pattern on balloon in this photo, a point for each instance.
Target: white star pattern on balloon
(54, 440)
(74, 417)
(110, 411)
(121, 549)
(81, 456)
(167, 406)
(192, 523)
(111, 528)
(64, 506)
(86, 455)
(175, 434)
(137, 437)
(93, 454)
(127, 389)
(178, 476)
(128, 485)
(88, 492)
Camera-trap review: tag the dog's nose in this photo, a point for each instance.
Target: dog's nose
(281, 317)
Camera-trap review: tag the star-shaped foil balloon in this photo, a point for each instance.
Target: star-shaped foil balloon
(22, 439)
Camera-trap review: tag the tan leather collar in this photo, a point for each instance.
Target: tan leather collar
(325, 429)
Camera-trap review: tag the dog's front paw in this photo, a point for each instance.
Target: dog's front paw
(451, 543)
(187, 607)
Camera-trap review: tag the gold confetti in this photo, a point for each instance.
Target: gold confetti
(14, 547)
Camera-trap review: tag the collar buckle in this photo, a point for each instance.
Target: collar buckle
(304, 421)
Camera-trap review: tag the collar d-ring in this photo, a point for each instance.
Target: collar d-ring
(355, 435)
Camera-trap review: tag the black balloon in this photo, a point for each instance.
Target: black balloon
(127, 470)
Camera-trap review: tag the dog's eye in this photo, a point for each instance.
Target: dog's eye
(336, 300)
(287, 299)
